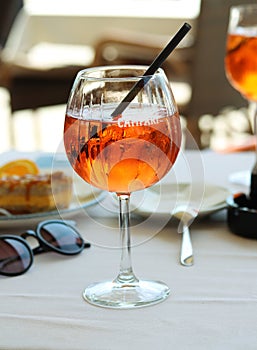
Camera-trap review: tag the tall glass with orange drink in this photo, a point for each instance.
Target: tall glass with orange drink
(241, 51)
(122, 153)
(241, 65)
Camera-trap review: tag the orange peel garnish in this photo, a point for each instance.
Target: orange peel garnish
(19, 167)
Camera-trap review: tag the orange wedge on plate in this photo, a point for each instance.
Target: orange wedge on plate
(19, 167)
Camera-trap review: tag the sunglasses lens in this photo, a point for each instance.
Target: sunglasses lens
(15, 257)
(62, 237)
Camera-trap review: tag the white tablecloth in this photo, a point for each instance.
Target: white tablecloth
(213, 305)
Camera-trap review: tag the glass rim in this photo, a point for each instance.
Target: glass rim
(85, 73)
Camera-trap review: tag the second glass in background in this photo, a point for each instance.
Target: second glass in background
(241, 53)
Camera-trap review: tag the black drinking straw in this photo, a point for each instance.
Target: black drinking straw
(152, 69)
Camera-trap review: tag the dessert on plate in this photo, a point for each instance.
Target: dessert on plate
(25, 191)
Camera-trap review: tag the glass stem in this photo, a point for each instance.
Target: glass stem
(253, 120)
(255, 127)
(253, 184)
(126, 275)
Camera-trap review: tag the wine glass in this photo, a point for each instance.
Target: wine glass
(241, 64)
(122, 153)
(241, 48)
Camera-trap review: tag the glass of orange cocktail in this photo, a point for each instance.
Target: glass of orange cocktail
(241, 52)
(122, 153)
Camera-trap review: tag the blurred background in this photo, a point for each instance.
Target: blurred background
(44, 43)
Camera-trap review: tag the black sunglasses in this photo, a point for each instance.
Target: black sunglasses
(16, 256)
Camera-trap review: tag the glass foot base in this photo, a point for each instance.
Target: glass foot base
(111, 294)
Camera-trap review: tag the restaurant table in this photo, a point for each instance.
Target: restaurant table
(212, 305)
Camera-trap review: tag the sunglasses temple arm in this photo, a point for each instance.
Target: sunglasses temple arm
(87, 245)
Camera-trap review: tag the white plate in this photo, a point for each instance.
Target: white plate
(75, 207)
(162, 199)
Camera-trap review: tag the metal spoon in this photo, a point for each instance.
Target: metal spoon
(186, 215)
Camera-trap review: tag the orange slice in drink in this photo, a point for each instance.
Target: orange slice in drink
(19, 167)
